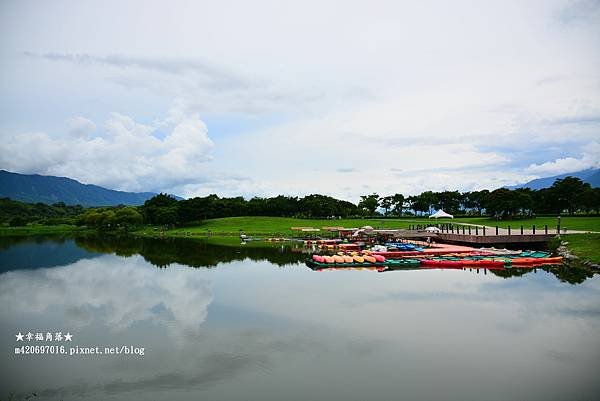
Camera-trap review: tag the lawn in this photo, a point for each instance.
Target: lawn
(276, 226)
(38, 229)
(281, 226)
(586, 246)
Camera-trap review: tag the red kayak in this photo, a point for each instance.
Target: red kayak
(446, 264)
(486, 263)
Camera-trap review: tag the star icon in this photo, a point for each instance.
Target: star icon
(68, 337)
(19, 336)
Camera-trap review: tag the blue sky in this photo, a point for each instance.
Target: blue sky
(261, 98)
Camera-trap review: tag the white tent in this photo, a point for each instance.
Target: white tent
(441, 213)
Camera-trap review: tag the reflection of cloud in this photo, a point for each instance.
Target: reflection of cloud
(213, 368)
(118, 293)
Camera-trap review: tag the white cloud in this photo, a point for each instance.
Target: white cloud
(589, 159)
(455, 96)
(127, 155)
(80, 127)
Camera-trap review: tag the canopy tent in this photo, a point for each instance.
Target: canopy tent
(441, 213)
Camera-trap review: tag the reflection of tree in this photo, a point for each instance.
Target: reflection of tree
(511, 272)
(7, 242)
(572, 274)
(162, 252)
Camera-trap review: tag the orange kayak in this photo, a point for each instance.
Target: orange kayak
(338, 259)
(369, 259)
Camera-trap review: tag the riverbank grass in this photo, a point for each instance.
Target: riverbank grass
(585, 246)
(39, 229)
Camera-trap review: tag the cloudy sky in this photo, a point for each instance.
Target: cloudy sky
(267, 97)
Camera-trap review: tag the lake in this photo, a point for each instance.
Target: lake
(220, 322)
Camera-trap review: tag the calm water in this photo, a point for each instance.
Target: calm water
(224, 323)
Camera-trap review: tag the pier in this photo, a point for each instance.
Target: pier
(485, 235)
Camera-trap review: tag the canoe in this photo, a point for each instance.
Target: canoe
(536, 261)
(487, 263)
(338, 259)
(318, 258)
(391, 264)
(348, 259)
(369, 259)
(379, 258)
(430, 263)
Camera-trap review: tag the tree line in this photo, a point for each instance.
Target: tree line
(567, 196)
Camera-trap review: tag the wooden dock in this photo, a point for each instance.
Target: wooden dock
(480, 235)
(489, 239)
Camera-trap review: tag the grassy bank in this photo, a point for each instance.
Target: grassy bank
(39, 229)
(281, 226)
(586, 246)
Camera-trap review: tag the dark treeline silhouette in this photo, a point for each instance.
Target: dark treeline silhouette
(569, 195)
(566, 196)
(15, 213)
(165, 209)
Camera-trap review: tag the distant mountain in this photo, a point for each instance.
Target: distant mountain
(48, 189)
(591, 176)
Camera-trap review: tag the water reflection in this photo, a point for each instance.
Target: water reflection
(112, 291)
(165, 251)
(19, 253)
(251, 330)
(33, 253)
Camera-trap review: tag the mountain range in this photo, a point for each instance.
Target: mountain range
(34, 188)
(591, 176)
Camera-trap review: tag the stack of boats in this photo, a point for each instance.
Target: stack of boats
(437, 257)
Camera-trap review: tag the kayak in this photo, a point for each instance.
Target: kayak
(369, 259)
(348, 259)
(391, 264)
(536, 261)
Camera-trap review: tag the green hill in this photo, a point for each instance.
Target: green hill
(49, 189)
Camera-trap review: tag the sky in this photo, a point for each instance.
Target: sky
(261, 98)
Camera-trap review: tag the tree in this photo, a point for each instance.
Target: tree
(589, 199)
(386, 203)
(128, 217)
(161, 209)
(567, 191)
(369, 203)
(398, 203)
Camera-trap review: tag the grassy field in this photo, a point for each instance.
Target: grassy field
(281, 226)
(272, 226)
(38, 229)
(586, 246)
